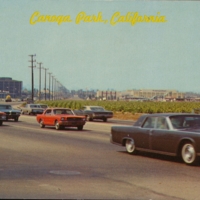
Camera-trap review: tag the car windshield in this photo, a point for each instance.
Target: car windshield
(181, 122)
(5, 107)
(34, 106)
(97, 108)
(43, 106)
(63, 111)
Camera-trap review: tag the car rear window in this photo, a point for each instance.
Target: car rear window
(181, 122)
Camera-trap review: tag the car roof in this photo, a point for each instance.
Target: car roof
(141, 119)
(169, 114)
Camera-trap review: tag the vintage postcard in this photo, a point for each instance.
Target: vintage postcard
(105, 50)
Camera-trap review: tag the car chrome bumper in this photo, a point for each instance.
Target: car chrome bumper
(72, 123)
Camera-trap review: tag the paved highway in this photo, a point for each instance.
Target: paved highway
(72, 164)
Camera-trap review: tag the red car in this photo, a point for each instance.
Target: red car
(60, 118)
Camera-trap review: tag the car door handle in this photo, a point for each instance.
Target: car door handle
(150, 132)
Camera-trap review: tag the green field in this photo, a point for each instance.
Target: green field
(130, 107)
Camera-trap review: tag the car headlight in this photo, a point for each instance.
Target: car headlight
(62, 119)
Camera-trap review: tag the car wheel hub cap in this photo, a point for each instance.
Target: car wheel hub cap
(130, 146)
(189, 154)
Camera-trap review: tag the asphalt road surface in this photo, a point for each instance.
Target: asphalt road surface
(70, 164)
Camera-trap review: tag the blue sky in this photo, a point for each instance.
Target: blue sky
(99, 55)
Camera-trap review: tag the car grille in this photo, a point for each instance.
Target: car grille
(13, 113)
(74, 119)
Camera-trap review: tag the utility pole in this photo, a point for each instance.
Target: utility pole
(52, 88)
(55, 89)
(59, 90)
(45, 69)
(49, 85)
(59, 95)
(32, 76)
(39, 80)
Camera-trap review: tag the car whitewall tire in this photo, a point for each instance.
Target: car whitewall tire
(188, 153)
(105, 119)
(88, 118)
(16, 119)
(80, 128)
(41, 124)
(130, 146)
(57, 125)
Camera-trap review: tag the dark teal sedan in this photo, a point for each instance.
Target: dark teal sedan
(174, 134)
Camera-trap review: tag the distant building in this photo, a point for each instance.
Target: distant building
(11, 87)
(154, 94)
(140, 94)
(84, 94)
(109, 95)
